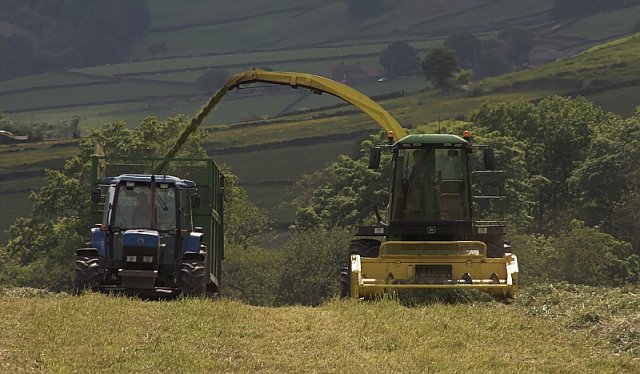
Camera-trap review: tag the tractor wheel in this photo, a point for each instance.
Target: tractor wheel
(364, 247)
(345, 281)
(192, 278)
(86, 277)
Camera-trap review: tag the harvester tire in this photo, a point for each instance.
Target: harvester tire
(192, 278)
(86, 277)
(345, 281)
(364, 247)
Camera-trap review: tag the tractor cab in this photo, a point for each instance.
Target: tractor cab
(146, 222)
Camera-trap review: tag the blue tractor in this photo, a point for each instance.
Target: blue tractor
(157, 234)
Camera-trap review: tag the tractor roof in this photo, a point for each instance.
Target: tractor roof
(146, 178)
(432, 139)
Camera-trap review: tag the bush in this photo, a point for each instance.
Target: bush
(582, 255)
(312, 266)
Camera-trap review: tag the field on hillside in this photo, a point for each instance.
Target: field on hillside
(548, 330)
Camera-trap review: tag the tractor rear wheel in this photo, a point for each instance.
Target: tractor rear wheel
(345, 281)
(192, 278)
(86, 277)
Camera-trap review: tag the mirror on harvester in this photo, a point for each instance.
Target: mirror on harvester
(374, 158)
(489, 159)
(195, 201)
(96, 194)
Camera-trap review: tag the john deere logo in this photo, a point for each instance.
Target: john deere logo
(431, 229)
(140, 241)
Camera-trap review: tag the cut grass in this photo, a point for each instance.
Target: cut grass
(115, 334)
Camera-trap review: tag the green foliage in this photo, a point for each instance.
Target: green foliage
(41, 131)
(520, 41)
(311, 269)
(345, 193)
(246, 225)
(595, 258)
(467, 47)
(439, 65)
(540, 146)
(252, 274)
(68, 34)
(579, 255)
(398, 59)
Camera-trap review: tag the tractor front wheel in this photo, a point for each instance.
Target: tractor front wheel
(192, 278)
(345, 281)
(86, 277)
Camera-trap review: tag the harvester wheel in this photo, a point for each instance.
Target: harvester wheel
(364, 247)
(345, 281)
(192, 278)
(86, 277)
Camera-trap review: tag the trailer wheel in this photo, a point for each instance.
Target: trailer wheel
(86, 276)
(364, 247)
(192, 278)
(345, 281)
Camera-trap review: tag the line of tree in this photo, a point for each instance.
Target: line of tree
(39, 131)
(461, 52)
(66, 34)
(491, 57)
(572, 187)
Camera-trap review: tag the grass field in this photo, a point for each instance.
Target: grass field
(549, 330)
(617, 61)
(603, 25)
(497, 11)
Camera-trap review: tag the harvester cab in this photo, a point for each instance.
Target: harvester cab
(431, 240)
(149, 240)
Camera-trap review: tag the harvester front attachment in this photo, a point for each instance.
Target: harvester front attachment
(411, 265)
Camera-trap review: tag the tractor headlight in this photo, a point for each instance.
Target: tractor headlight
(131, 258)
(147, 259)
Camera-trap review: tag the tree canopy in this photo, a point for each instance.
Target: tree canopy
(71, 33)
(439, 65)
(398, 59)
(467, 47)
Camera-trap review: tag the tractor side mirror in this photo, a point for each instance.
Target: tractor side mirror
(374, 158)
(489, 159)
(96, 195)
(195, 201)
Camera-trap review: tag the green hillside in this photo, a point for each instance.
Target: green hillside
(550, 330)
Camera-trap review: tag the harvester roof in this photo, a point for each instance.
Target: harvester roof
(432, 139)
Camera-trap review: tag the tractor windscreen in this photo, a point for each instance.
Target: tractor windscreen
(133, 207)
(430, 184)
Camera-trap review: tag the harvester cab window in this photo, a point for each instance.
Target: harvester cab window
(429, 185)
